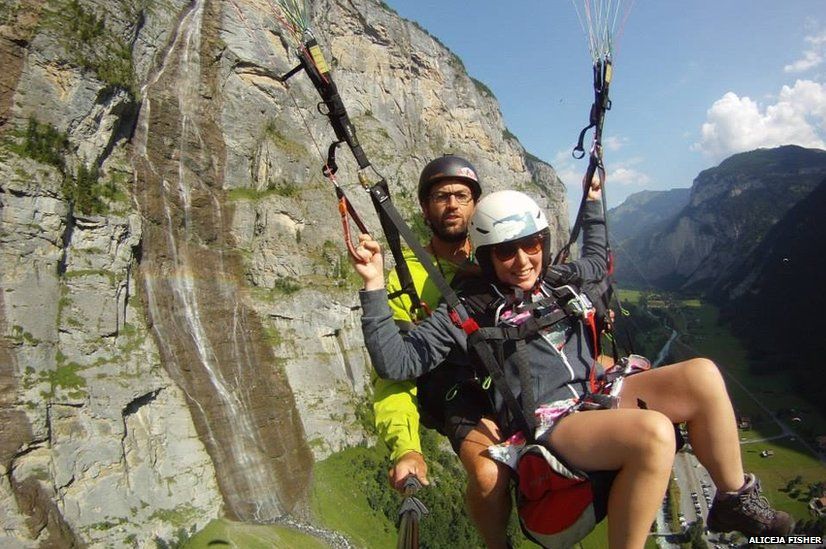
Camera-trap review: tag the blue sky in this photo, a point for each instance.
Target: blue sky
(694, 81)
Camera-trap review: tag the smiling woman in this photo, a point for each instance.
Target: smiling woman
(522, 263)
(530, 245)
(508, 231)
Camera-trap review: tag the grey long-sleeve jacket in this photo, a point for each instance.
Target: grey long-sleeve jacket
(559, 361)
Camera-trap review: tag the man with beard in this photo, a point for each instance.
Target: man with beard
(448, 190)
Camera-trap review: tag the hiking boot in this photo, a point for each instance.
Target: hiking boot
(747, 512)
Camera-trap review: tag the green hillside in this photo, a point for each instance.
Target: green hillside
(775, 290)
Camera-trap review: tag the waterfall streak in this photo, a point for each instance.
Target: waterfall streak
(176, 292)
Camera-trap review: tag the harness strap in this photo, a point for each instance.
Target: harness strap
(526, 382)
(603, 71)
(391, 233)
(592, 376)
(345, 209)
(381, 199)
(525, 330)
(311, 60)
(314, 64)
(594, 167)
(525, 422)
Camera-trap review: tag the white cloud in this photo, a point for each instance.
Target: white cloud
(614, 143)
(568, 169)
(626, 176)
(811, 57)
(736, 124)
(810, 60)
(621, 179)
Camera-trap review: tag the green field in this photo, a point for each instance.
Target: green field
(339, 498)
(228, 534)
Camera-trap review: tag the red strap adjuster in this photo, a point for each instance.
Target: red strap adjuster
(468, 326)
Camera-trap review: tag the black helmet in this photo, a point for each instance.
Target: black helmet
(448, 167)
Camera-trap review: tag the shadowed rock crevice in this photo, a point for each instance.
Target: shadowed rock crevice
(34, 501)
(140, 402)
(342, 349)
(15, 431)
(14, 39)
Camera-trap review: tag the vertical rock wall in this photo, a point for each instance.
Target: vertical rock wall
(97, 445)
(94, 445)
(180, 333)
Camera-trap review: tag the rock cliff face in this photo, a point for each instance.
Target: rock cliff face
(180, 326)
(645, 211)
(730, 210)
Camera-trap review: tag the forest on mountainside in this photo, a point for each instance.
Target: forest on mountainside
(779, 316)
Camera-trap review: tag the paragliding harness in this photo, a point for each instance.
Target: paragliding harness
(557, 504)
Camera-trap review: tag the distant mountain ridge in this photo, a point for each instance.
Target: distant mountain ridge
(789, 255)
(730, 209)
(644, 211)
(749, 238)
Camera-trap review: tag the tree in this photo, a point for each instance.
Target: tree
(794, 483)
(696, 534)
(817, 489)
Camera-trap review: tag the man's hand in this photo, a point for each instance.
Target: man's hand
(411, 463)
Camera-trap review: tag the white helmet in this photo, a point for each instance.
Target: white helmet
(504, 216)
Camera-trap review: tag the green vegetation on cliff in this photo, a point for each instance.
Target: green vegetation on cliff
(91, 44)
(83, 188)
(351, 494)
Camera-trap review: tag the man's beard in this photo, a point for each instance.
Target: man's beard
(452, 235)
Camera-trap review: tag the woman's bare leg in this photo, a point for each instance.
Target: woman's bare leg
(694, 392)
(488, 484)
(638, 443)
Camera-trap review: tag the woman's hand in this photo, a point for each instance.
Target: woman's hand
(595, 188)
(370, 265)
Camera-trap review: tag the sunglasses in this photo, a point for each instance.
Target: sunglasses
(531, 245)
